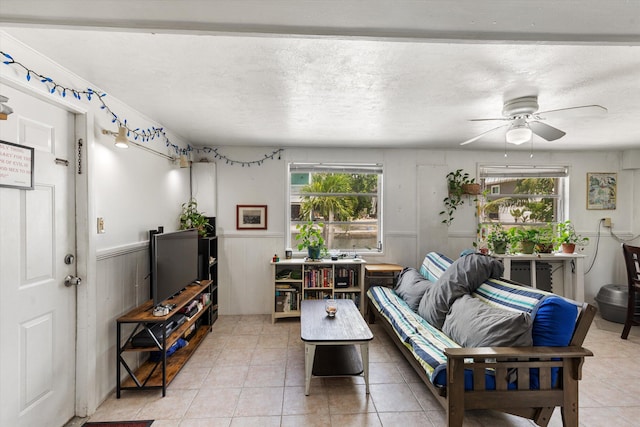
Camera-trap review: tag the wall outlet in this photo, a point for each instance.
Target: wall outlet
(607, 222)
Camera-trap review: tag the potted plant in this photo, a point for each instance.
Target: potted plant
(310, 237)
(190, 217)
(567, 238)
(545, 239)
(523, 238)
(459, 183)
(497, 239)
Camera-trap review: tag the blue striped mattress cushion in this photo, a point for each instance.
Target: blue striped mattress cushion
(419, 337)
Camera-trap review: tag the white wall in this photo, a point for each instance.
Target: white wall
(414, 186)
(134, 191)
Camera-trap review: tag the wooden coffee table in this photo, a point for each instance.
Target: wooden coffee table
(329, 343)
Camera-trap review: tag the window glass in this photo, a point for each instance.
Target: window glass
(346, 198)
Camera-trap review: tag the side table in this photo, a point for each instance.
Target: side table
(380, 275)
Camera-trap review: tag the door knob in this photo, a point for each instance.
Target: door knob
(72, 281)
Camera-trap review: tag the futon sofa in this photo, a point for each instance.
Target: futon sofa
(482, 342)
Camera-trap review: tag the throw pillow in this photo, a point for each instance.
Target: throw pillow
(411, 286)
(472, 323)
(464, 276)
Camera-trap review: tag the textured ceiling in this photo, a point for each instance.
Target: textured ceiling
(363, 74)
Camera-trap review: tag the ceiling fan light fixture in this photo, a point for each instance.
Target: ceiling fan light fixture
(519, 133)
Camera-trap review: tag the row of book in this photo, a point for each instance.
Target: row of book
(287, 299)
(318, 278)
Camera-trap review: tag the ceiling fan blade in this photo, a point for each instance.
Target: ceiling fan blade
(475, 138)
(545, 131)
(491, 119)
(580, 111)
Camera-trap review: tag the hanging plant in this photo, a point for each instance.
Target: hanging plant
(459, 184)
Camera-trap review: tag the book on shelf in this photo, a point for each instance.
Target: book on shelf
(318, 277)
(287, 299)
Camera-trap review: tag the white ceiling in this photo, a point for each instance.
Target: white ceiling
(349, 73)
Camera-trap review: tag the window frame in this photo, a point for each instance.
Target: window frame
(559, 172)
(332, 167)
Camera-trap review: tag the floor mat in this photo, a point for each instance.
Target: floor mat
(145, 423)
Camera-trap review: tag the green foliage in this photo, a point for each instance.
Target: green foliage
(310, 235)
(455, 181)
(325, 206)
(566, 233)
(538, 209)
(190, 217)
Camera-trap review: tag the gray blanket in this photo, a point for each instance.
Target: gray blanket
(464, 276)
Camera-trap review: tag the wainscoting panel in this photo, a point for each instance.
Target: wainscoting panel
(122, 284)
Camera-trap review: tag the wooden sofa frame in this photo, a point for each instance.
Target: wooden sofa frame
(537, 405)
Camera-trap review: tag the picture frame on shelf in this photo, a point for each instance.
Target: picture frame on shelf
(16, 166)
(601, 190)
(251, 217)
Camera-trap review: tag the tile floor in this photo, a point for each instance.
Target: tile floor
(250, 372)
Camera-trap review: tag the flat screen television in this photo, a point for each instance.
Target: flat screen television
(174, 263)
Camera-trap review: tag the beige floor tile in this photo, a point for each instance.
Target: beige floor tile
(296, 403)
(214, 403)
(172, 406)
(226, 376)
(359, 420)
(265, 376)
(406, 419)
(384, 373)
(249, 371)
(269, 356)
(315, 420)
(255, 421)
(394, 398)
(259, 401)
(273, 341)
(235, 356)
(206, 422)
(353, 400)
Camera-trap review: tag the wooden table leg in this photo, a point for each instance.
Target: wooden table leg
(364, 351)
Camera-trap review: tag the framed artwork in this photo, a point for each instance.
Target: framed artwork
(251, 217)
(601, 190)
(16, 166)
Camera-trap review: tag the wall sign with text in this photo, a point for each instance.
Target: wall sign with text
(16, 166)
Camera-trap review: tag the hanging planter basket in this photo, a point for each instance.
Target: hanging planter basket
(473, 189)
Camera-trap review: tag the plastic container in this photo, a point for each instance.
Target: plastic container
(612, 302)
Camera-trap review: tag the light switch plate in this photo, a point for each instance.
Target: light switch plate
(101, 229)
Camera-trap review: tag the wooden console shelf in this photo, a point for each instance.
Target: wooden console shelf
(159, 373)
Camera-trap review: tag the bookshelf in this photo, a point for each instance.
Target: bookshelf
(295, 280)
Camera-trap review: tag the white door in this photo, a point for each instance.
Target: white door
(37, 231)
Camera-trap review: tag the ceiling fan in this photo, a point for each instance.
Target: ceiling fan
(524, 120)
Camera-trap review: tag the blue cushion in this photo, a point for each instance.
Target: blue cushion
(554, 322)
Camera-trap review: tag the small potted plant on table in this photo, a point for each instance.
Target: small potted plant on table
(567, 238)
(310, 237)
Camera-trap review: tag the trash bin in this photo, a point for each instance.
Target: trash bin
(612, 302)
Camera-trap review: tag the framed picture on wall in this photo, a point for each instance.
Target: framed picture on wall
(16, 166)
(251, 217)
(601, 190)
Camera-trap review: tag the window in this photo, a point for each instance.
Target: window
(346, 198)
(531, 195)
